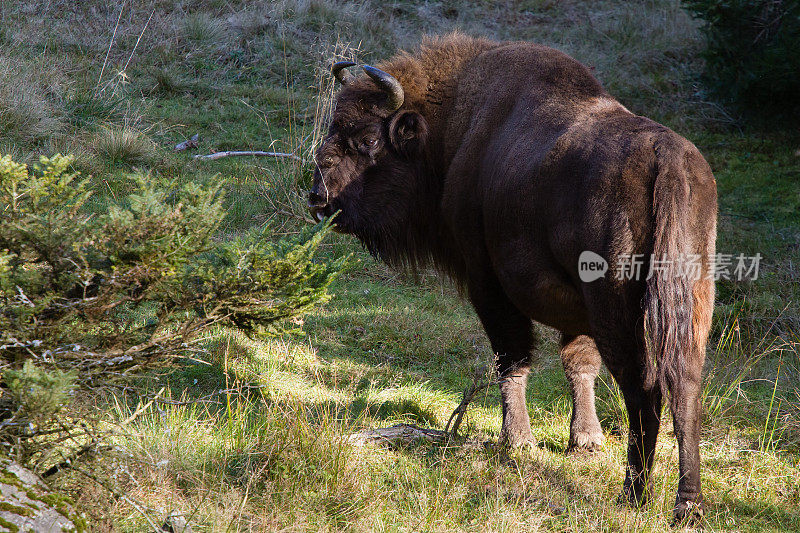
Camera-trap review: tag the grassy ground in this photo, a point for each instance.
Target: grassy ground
(253, 438)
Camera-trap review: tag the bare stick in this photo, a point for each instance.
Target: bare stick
(220, 155)
(110, 44)
(139, 410)
(128, 62)
(475, 387)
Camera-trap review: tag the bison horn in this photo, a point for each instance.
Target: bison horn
(341, 75)
(388, 84)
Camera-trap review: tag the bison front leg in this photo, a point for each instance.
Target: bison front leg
(512, 336)
(581, 362)
(516, 430)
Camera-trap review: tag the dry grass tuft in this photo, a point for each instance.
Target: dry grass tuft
(167, 83)
(30, 94)
(202, 29)
(122, 146)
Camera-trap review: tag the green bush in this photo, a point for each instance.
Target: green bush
(37, 394)
(752, 55)
(91, 294)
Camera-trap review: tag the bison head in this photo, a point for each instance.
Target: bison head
(370, 157)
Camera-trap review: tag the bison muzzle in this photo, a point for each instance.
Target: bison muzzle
(499, 164)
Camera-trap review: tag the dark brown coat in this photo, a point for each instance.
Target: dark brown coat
(504, 162)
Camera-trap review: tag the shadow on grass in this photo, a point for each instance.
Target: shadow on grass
(408, 410)
(756, 515)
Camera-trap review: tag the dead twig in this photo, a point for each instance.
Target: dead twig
(479, 383)
(220, 155)
(118, 494)
(142, 408)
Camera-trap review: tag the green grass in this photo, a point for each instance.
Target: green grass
(254, 437)
(388, 352)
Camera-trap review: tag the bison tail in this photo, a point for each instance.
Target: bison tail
(669, 299)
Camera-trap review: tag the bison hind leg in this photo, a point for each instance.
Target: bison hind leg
(624, 359)
(581, 362)
(688, 514)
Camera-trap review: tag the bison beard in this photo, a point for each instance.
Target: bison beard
(498, 164)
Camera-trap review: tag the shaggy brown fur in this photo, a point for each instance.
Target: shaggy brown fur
(505, 162)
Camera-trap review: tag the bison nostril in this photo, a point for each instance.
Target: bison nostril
(315, 199)
(317, 206)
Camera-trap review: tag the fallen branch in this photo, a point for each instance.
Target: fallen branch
(399, 434)
(220, 155)
(86, 449)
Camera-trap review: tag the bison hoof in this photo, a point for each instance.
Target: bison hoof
(585, 442)
(526, 445)
(518, 442)
(688, 514)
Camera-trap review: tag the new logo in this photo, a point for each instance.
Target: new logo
(591, 266)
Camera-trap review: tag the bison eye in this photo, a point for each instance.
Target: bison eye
(368, 144)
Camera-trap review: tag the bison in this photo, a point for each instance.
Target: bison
(499, 164)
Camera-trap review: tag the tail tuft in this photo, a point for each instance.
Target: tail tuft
(668, 300)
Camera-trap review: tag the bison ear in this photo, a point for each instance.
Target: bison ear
(408, 132)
